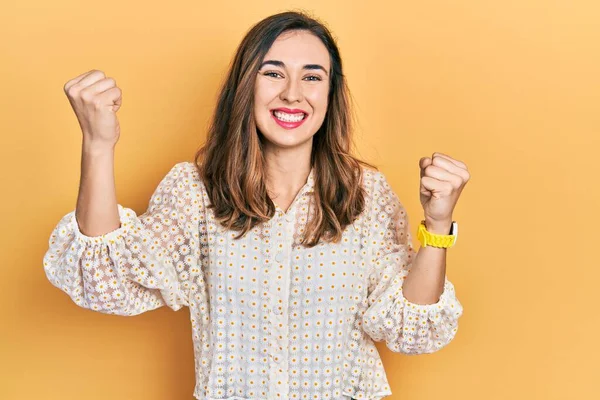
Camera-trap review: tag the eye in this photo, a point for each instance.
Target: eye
(317, 78)
(272, 74)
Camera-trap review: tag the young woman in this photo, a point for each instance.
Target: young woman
(292, 256)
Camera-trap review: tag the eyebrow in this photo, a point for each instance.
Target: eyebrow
(278, 63)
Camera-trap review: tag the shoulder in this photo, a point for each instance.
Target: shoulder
(186, 173)
(183, 181)
(381, 199)
(374, 181)
(183, 168)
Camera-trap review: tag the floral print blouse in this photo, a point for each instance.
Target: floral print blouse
(270, 318)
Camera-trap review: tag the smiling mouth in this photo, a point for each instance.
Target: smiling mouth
(290, 118)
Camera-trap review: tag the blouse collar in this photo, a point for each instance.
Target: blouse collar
(310, 182)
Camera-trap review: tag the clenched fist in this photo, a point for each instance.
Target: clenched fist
(96, 100)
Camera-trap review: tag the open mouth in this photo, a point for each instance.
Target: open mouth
(289, 118)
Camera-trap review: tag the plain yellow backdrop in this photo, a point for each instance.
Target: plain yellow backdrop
(511, 88)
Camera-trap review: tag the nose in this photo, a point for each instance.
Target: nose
(292, 91)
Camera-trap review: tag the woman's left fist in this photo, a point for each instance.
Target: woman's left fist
(442, 180)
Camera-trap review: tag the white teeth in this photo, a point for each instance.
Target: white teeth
(288, 117)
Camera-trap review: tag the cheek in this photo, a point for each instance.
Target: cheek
(264, 93)
(258, 97)
(319, 99)
(261, 103)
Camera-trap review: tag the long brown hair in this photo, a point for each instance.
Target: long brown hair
(231, 162)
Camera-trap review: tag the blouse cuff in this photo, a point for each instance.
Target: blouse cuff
(126, 217)
(432, 311)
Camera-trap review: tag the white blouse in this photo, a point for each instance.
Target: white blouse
(270, 318)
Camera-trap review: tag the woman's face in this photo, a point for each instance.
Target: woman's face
(292, 88)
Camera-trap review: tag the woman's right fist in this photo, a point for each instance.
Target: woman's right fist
(96, 100)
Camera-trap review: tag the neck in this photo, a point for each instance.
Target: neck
(287, 169)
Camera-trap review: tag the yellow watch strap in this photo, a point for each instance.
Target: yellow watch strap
(434, 240)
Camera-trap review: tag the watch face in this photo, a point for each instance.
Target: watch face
(454, 231)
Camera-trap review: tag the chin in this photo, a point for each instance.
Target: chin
(283, 143)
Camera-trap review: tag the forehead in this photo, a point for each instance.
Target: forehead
(298, 48)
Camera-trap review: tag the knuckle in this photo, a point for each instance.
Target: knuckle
(71, 91)
(86, 95)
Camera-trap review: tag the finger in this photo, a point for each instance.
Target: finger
(112, 97)
(423, 163)
(77, 79)
(448, 165)
(102, 85)
(441, 174)
(435, 186)
(452, 160)
(91, 78)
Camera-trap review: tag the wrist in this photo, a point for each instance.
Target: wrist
(97, 148)
(438, 227)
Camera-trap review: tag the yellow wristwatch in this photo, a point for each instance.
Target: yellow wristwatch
(434, 240)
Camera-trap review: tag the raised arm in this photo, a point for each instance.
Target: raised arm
(405, 327)
(150, 260)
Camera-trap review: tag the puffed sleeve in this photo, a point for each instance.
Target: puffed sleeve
(151, 260)
(406, 327)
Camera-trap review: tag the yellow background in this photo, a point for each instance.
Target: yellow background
(511, 88)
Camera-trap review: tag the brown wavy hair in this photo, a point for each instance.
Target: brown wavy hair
(231, 162)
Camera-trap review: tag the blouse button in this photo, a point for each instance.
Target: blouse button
(276, 310)
(288, 218)
(279, 257)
